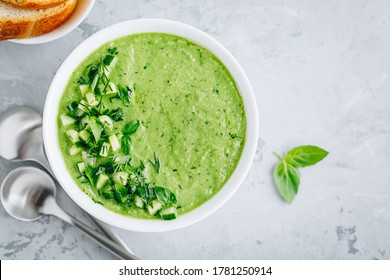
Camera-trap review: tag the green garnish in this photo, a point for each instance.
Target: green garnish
(156, 163)
(106, 155)
(286, 173)
(116, 115)
(131, 127)
(125, 94)
(126, 144)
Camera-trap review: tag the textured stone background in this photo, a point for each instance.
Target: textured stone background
(320, 70)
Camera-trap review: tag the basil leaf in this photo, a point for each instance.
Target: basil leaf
(303, 156)
(165, 196)
(287, 180)
(131, 127)
(125, 93)
(126, 144)
(120, 193)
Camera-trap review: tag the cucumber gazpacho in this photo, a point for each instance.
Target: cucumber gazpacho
(151, 125)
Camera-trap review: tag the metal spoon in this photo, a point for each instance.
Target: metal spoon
(21, 140)
(27, 193)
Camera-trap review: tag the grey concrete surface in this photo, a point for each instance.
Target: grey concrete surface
(321, 74)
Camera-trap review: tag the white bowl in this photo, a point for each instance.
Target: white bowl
(57, 88)
(82, 9)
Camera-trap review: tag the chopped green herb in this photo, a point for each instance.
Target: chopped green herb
(116, 115)
(125, 94)
(156, 163)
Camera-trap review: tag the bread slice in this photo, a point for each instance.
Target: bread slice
(24, 23)
(34, 4)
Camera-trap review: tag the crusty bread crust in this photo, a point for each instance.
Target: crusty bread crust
(34, 26)
(34, 4)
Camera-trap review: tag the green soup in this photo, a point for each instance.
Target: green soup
(187, 112)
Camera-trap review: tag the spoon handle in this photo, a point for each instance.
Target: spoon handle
(51, 207)
(40, 157)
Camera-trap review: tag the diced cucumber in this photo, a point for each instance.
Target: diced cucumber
(94, 82)
(120, 178)
(83, 105)
(66, 120)
(106, 121)
(104, 149)
(138, 201)
(91, 99)
(100, 86)
(169, 213)
(75, 150)
(101, 181)
(79, 112)
(96, 128)
(115, 145)
(73, 135)
(84, 135)
(88, 159)
(111, 89)
(84, 123)
(155, 207)
(84, 89)
(81, 167)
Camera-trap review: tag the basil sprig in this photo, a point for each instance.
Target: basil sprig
(286, 173)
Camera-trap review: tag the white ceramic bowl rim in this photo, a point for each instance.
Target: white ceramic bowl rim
(59, 83)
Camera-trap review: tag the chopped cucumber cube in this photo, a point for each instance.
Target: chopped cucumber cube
(84, 89)
(88, 159)
(81, 167)
(66, 120)
(121, 178)
(169, 213)
(104, 149)
(96, 128)
(106, 121)
(94, 82)
(84, 135)
(101, 181)
(79, 112)
(75, 150)
(138, 201)
(155, 207)
(90, 97)
(73, 135)
(84, 123)
(115, 145)
(83, 106)
(111, 89)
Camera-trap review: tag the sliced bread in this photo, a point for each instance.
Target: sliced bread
(34, 4)
(24, 23)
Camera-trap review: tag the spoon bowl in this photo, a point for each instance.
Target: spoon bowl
(17, 125)
(23, 192)
(28, 193)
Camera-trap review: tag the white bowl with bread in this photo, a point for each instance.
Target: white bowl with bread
(40, 21)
